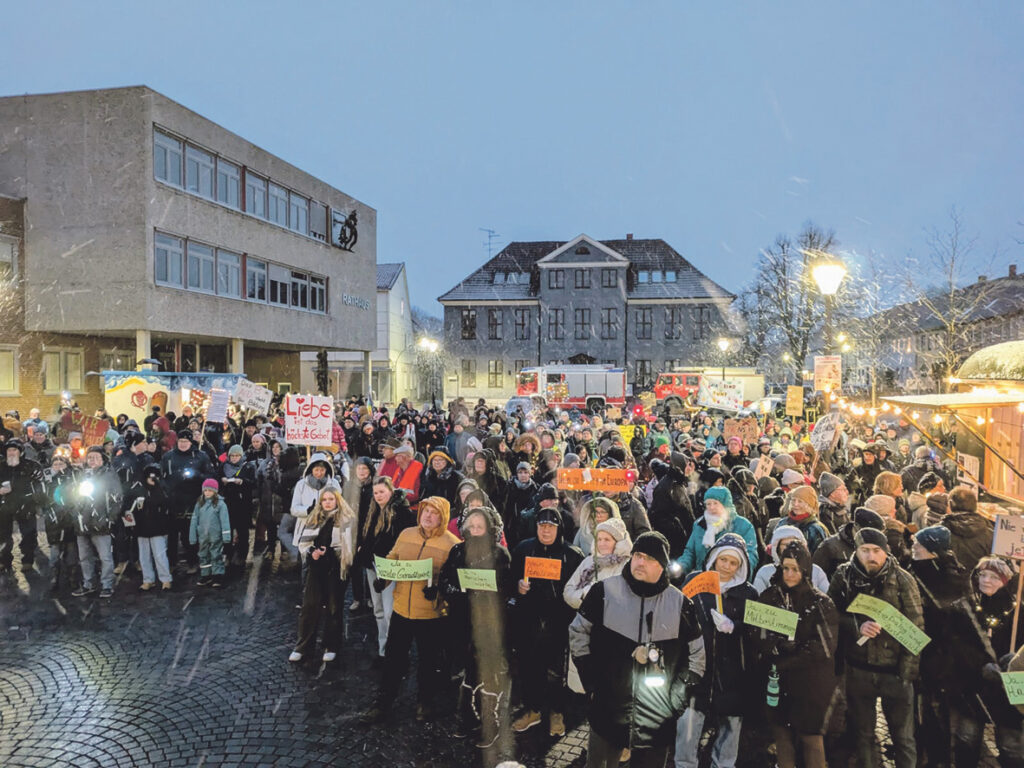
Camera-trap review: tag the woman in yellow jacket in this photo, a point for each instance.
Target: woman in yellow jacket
(417, 612)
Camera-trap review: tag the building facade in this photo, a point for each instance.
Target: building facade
(150, 232)
(633, 303)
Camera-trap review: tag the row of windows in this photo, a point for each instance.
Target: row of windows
(215, 178)
(511, 278)
(676, 319)
(643, 371)
(656, 276)
(183, 263)
(581, 278)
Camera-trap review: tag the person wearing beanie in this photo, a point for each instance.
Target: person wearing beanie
(519, 498)
(922, 509)
(971, 532)
(791, 478)
(541, 616)
(877, 666)
(593, 511)
(19, 480)
(95, 511)
(833, 501)
(730, 685)
(801, 510)
(671, 508)
(441, 478)
(805, 663)
(612, 547)
(209, 530)
(719, 519)
(735, 453)
(546, 498)
(237, 484)
(147, 503)
(839, 547)
(922, 464)
(782, 536)
(897, 532)
(183, 469)
(630, 718)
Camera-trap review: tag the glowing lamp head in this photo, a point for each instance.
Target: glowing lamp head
(828, 274)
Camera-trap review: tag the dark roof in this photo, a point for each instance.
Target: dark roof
(977, 301)
(387, 274)
(518, 258)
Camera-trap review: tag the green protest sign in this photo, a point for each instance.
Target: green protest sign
(771, 618)
(1013, 682)
(404, 570)
(478, 578)
(899, 627)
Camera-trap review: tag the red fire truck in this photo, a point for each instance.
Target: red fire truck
(590, 387)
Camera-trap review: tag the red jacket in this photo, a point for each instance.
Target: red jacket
(409, 480)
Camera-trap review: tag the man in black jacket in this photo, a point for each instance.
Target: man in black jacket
(971, 536)
(671, 512)
(183, 471)
(20, 481)
(634, 703)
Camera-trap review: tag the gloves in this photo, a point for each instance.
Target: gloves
(379, 585)
(722, 623)
(430, 593)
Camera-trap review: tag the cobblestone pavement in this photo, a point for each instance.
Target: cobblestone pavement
(197, 677)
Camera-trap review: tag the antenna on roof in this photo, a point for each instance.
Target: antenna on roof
(491, 237)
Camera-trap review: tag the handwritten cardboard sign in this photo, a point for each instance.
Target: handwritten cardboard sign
(1013, 684)
(724, 394)
(747, 429)
(404, 570)
(794, 401)
(543, 568)
(93, 429)
(628, 431)
(708, 581)
(613, 412)
(1008, 537)
(771, 618)
(308, 419)
(609, 481)
(764, 467)
(484, 579)
(824, 432)
(218, 410)
(899, 627)
(249, 395)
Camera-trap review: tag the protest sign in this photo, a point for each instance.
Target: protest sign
(708, 581)
(628, 431)
(824, 432)
(899, 627)
(478, 578)
(252, 396)
(1013, 684)
(828, 373)
(607, 480)
(771, 618)
(1008, 537)
(404, 570)
(308, 419)
(746, 429)
(613, 412)
(764, 467)
(794, 401)
(93, 429)
(724, 394)
(543, 568)
(218, 410)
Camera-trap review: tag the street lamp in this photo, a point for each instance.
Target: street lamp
(425, 343)
(828, 273)
(723, 346)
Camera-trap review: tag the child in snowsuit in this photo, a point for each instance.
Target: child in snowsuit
(211, 530)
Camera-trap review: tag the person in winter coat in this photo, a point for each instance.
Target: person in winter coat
(719, 519)
(389, 514)
(477, 623)
(896, 532)
(878, 666)
(839, 548)
(484, 471)
(457, 441)
(147, 504)
(521, 491)
(363, 472)
(546, 498)
(783, 536)
(606, 639)
(805, 664)
(593, 512)
(238, 483)
(58, 520)
(270, 507)
(440, 477)
(20, 480)
(735, 454)
(862, 479)
(39, 447)
(210, 530)
(328, 541)
(97, 506)
(801, 510)
(632, 512)
(540, 619)
(971, 533)
(833, 502)
(318, 475)
(417, 612)
(183, 470)
(923, 464)
(612, 548)
(726, 692)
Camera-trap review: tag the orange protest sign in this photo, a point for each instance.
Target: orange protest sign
(607, 480)
(704, 582)
(542, 568)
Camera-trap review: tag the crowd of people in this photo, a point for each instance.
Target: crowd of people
(537, 594)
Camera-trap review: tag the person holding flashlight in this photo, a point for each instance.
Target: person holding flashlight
(97, 505)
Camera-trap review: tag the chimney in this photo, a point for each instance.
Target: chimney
(982, 278)
(1013, 270)
(629, 235)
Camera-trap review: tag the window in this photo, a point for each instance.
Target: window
(469, 323)
(255, 280)
(114, 360)
(255, 195)
(200, 267)
(643, 276)
(494, 374)
(62, 371)
(300, 290)
(167, 156)
(670, 276)
(499, 278)
(9, 370)
(556, 278)
(494, 324)
(518, 365)
(671, 365)
(298, 213)
(609, 323)
(228, 183)
(656, 276)
(673, 322)
(582, 318)
(643, 373)
(169, 258)
(199, 172)
(278, 210)
(468, 373)
(609, 279)
(317, 294)
(229, 274)
(582, 278)
(643, 323)
(701, 317)
(280, 281)
(318, 221)
(556, 324)
(8, 263)
(522, 317)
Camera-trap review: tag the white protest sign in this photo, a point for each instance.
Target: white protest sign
(824, 432)
(828, 373)
(764, 467)
(1008, 537)
(249, 395)
(218, 409)
(724, 394)
(308, 419)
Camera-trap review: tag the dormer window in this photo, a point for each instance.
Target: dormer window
(656, 276)
(643, 276)
(583, 251)
(499, 277)
(670, 276)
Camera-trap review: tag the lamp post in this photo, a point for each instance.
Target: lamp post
(828, 273)
(425, 343)
(723, 346)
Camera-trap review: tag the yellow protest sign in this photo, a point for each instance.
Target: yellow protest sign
(794, 401)
(627, 431)
(899, 627)
(771, 618)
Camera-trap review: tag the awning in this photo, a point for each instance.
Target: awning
(956, 400)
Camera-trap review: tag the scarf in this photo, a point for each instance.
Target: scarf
(712, 527)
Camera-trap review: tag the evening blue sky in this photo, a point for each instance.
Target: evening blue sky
(714, 126)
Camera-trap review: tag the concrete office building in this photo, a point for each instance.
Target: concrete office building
(148, 231)
(636, 303)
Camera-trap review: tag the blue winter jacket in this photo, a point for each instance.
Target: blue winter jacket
(210, 522)
(696, 553)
